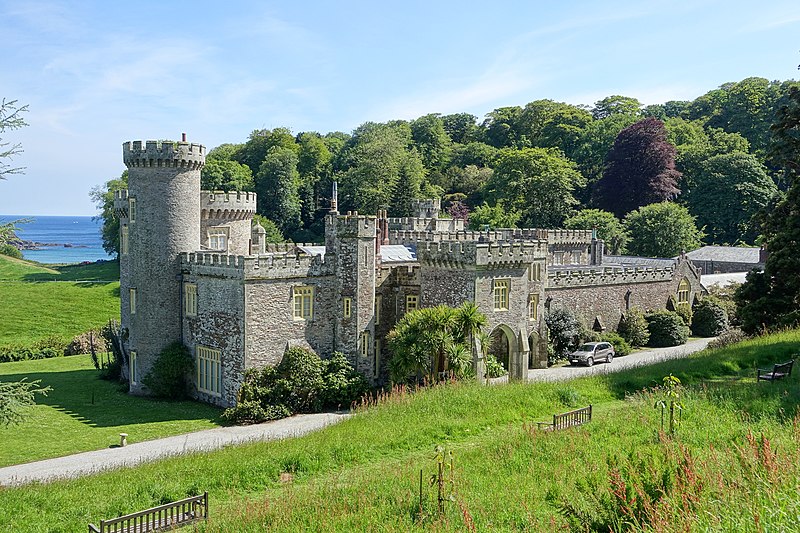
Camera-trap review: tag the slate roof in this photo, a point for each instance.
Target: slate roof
(722, 280)
(727, 254)
(631, 260)
(390, 253)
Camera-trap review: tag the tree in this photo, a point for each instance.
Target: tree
(276, 185)
(592, 147)
(10, 119)
(772, 298)
(16, 397)
(609, 228)
(461, 127)
(431, 140)
(536, 182)
(729, 192)
(493, 217)
(662, 230)
(103, 198)
(640, 169)
(616, 105)
(258, 145)
(500, 127)
(273, 233)
(226, 175)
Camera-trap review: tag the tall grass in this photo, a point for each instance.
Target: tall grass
(363, 474)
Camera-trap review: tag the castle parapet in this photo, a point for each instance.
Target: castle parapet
(588, 277)
(459, 254)
(354, 225)
(221, 205)
(568, 236)
(164, 154)
(213, 264)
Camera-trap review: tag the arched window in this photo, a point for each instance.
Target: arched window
(683, 291)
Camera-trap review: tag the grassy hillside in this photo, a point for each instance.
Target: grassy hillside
(37, 302)
(734, 465)
(84, 413)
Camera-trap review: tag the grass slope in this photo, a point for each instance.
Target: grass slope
(37, 302)
(84, 413)
(363, 474)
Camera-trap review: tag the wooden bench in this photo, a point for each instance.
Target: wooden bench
(568, 420)
(161, 518)
(779, 371)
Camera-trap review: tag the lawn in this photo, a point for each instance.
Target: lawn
(733, 466)
(83, 413)
(38, 302)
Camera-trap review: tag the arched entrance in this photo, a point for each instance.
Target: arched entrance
(507, 349)
(500, 346)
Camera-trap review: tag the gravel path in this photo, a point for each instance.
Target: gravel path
(642, 358)
(85, 463)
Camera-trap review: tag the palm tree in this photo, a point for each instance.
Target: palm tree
(470, 322)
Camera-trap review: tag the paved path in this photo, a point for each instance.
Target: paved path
(642, 358)
(85, 463)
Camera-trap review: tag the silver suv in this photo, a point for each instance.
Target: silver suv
(592, 352)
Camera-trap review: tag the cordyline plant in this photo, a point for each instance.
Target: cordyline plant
(672, 388)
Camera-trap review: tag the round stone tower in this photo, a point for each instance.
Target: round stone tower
(163, 220)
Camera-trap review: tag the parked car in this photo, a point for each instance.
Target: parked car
(591, 353)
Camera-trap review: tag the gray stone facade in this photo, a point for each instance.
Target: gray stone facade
(240, 305)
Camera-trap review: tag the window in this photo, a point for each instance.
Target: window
(134, 370)
(412, 302)
(364, 343)
(131, 210)
(348, 307)
(190, 299)
(501, 289)
(534, 310)
(123, 240)
(376, 365)
(378, 302)
(209, 371)
(535, 272)
(303, 303)
(218, 239)
(132, 293)
(683, 291)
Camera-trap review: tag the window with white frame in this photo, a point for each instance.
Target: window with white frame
(501, 289)
(684, 287)
(134, 368)
(303, 302)
(347, 304)
(131, 210)
(209, 370)
(533, 312)
(190, 299)
(123, 240)
(132, 300)
(218, 239)
(364, 341)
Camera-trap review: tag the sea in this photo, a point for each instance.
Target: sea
(77, 239)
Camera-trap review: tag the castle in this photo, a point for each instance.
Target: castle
(194, 269)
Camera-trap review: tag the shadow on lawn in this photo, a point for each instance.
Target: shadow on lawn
(726, 376)
(82, 395)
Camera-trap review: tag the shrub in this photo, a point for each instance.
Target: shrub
(710, 318)
(300, 383)
(493, 367)
(563, 329)
(731, 336)
(725, 297)
(666, 329)
(621, 347)
(684, 311)
(52, 346)
(83, 343)
(633, 327)
(169, 375)
(585, 334)
(10, 251)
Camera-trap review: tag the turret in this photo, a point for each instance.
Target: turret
(163, 221)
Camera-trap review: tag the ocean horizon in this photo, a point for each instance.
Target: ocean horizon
(75, 238)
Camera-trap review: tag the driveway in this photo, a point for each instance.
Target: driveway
(641, 358)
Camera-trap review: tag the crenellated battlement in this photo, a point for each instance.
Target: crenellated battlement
(568, 236)
(164, 154)
(616, 275)
(221, 205)
(121, 203)
(459, 254)
(354, 225)
(496, 236)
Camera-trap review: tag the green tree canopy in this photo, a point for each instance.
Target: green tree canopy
(616, 105)
(103, 198)
(609, 228)
(226, 175)
(277, 188)
(663, 229)
(493, 217)
(536, 182)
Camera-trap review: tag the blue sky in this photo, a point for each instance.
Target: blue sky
(96, 74)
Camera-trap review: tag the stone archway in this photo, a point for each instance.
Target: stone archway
(500, 346)
(511, 351)
(533, 346)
